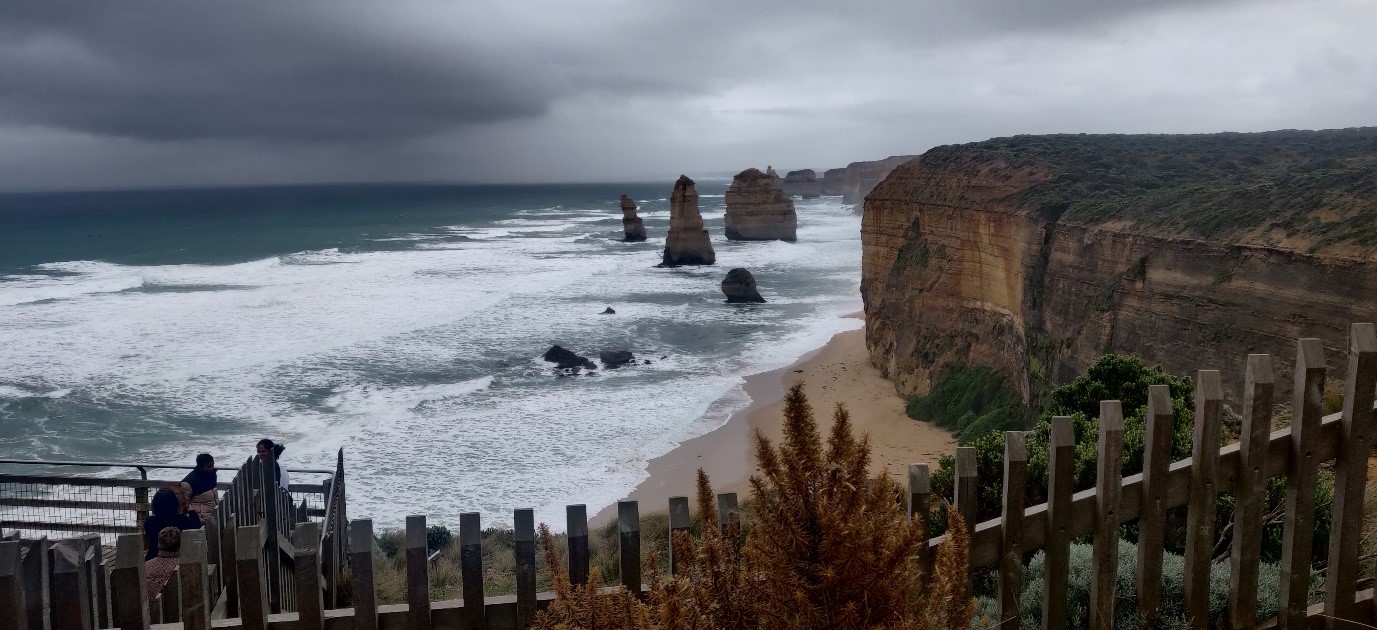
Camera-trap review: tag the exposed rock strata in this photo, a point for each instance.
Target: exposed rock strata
(833, 181)
(861, 177)
(758, 209)
(975, 255)
(739, 287)
(803, 183)
(688, 242)
(632, 226)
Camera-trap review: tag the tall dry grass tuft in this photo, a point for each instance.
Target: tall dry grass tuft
(586, 606)
(949, 606)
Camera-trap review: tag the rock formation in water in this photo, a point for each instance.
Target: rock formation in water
(758, 209)
(688, 242)
(565, 359)
(632, 225)
(833, 181)
(613, 359)
(1034, 255)
(861, 177)
(739, 287)
(803, 183)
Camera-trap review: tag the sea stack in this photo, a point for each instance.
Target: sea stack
(803, 183)
(758, 209)
(833, 181)
(688, 242)
(739, 287)
(632, 225)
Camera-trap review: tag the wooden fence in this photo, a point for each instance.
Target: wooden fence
(1243, 468)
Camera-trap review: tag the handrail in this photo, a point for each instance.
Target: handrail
(42, 462)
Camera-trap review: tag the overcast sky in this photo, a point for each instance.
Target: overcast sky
(143, 93)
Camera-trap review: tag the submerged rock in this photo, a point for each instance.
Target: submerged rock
(565, 359)
(632, 226)
(758, 209)
(739, 287)
(613, 359)
(687, 243)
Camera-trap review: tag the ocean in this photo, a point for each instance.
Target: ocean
(403, 323)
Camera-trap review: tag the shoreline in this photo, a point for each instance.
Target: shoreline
(839, 371)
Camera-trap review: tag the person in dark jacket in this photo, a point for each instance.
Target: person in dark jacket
(168, 511)
(202, 479)
(266, 446)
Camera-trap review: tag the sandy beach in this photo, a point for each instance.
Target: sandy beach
(838, 372)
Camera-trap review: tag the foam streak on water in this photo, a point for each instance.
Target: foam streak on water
(419, 356)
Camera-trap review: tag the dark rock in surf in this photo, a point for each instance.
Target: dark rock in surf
(566, 359)
(609, 311)
(739, 287)
(613, 359)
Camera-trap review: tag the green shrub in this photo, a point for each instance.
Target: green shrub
(971, 403)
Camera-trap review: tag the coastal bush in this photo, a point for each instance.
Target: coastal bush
(971, 403)
(828, 548)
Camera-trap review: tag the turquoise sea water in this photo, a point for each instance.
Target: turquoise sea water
(404, 323)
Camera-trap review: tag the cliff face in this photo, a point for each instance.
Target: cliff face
(861, 177)
(1035, 255)
(833, 181)
(803, 183)
(758, 209)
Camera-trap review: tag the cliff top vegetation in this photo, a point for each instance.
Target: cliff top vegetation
(1298, 190)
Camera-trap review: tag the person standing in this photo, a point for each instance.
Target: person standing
(266, 446)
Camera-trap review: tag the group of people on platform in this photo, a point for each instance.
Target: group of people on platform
(187, 505)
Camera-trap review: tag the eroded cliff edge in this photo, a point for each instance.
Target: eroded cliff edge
(1036, 254)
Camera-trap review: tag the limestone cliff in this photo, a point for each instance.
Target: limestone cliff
(633, 228)
(803, 183)
(758, 209)
(861, 177)
(1036, 254)
(688, 242)
(833, 181)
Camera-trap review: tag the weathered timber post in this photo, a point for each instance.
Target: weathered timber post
(196, 602)
(471, 569)
(679, 521)
(37, 570)
(253, 602)
(1011, 534)
(361, 568)
(229, 577)
(1152, 514)
(919, 493)
(96, 576)
(1061, 462)
(71, 591)
(1350, 475)
(1104, 560)
(1209, 413)
(1302, 471)
(310, 604)
(269, 494)
(576, 526)
(629, 545)
(1250, 491)
(13, 616)
(965, 499)
(727, 514)
(523, 521)
(417, 574)
(170, 600)
(128, 598)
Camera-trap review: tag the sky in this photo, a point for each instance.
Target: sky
(141, 93)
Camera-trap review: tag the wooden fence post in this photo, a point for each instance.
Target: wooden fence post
(1011, 535)
(96, 578)
(253, 604)
(1152, 514)
(1109, 470)
(310, 602)
(471, 569)
(37, 594)
(1301, 473)
(13, 615)
(127, 591)
(629, 544)
(919, 494)
(365, 593)
(269, 494)
(523, 521)
(1061, 462)
(417, 573)
(1350, 475)
(576, 527)
(195, 590)
(679, 521)
(965, 489)
(727, 513)
(229, 577)
(170, 600)
(71, 591)
(1250, 491)
(1209, 414)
